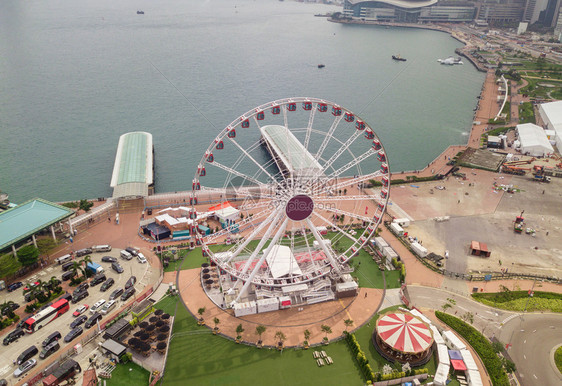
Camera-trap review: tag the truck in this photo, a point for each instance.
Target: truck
(65, 371)
(541, 178)
(94, 268)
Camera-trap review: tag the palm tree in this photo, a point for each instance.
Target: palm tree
(77, 266)
(39, 291)
(216, 321)
(6, 308)
(306, 337)
(260, 330)
(348, 323)
(325, 328)
(280, 337)
(201, 311)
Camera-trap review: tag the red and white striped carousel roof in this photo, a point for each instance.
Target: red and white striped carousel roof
(404, 332)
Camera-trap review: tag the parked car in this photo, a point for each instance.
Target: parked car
(83, 252)
(25, 367)
(141, 258)
(13, 307)
(80, 310)
(128, 293)
(27, 354)
(97, 306)
(125, 255)
(100, 277)
(117, 267)
(108, 306)
(78, 321)
(30, 286)
(107, 284)
(68, 275)
(73, 334)
(131, 282)
(93, 319)
(101, 248)
(13, 336)
(67, 266)
(14, 286)
(55, 336)
(108, 259)
(63, 259)
(115, 294)
(82, 287)
(49, 349)
(132, 251)
(77, 296)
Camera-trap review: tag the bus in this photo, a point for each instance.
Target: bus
(46, 316)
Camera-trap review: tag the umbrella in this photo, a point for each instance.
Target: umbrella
(144, 336)
(150, 328)
(209, 282)
(161, 346)
(159, 324)
(205, 270)
(153, 319)
(204, 265)
(164, 329)
(158, 312)
(143, 325)
(165, 316)
(206, 276)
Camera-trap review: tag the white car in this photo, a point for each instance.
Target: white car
(141, 258)
(25, 367)
(97, 307)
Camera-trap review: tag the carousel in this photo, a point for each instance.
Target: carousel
(404, 338)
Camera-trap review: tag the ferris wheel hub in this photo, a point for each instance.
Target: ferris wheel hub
(299, 207)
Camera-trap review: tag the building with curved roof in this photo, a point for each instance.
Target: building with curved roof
(410, 11)
(133, 171)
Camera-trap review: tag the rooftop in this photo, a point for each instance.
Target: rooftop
(290, 150)
(132, 171)
(21, 222)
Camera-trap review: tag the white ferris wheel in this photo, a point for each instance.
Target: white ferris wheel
(295, 187)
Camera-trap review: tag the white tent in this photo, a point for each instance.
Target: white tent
(441, 375)
(533, 140)
(468, 360)
(281, 261)
(551, 114)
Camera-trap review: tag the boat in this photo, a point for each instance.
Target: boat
(399, 58)
(450, 61)
(140, 12)
(321, 65)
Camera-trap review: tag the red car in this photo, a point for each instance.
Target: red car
(80, 310)
(32, 285)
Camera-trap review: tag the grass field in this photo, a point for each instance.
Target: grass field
(128, 374)
(558, 358)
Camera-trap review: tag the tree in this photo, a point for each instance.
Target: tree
(77, 266)
(28, 255)
(201, 311)
(348, 323)
(327, 330)
(280, 336)
(84, 263)
(6, 308)
(45, 245)
(9, 265)
(306, 335)
(239, 330)
(508, 365)
(468, 317)
(259, 331)
(85, 205)
(497, 346)
(216, 321)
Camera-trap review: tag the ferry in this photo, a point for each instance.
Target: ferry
(399, 58)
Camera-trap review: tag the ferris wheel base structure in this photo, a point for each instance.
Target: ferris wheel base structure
(298, 228)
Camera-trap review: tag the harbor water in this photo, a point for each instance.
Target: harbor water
(77, 75)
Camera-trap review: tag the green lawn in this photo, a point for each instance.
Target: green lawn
(558, 358)
(128, 374)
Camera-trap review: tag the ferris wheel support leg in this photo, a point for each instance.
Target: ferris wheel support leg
(273, 243)
(326, 250)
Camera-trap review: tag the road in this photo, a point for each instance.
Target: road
(532, 336)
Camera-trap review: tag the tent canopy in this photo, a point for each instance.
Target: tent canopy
(281, 262)
(533, 140)
(404, 332)
(458, 365)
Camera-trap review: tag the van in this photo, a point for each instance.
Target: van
(63, 259)
(97, 306)
(132, 251)
(93, 319)
(101, 248)
(128, 293)
(49, 349)
(27, 354)
(125, 255)
(13, 336)
(67, 266)
(83, 252)
(77, 296)
(68, 275)
(51, 338)
(100, 277)
(108, 306)
(115, 294)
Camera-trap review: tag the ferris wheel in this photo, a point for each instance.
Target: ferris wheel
(288, 193)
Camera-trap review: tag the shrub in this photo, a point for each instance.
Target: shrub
(481, 345)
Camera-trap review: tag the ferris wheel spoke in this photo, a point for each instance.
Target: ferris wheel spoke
(352, 163)
(273, 180)
(345, 182)
(243, 192)
(241, 225)
(328, 136)
(345, 198)
(285, 118)
(341, 150)
(273, 243)
(271, 221)
(237, 173)
(327, 251)
(334, 226)
(309, 126)
(349, 214)
(309, 250)
(255, 205)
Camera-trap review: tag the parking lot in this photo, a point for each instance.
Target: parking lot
(62, 324)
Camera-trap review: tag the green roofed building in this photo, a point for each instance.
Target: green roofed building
(133, 172)
(24, 221)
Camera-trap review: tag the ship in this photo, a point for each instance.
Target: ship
(140, 12)
(399, 58)
(321, 65)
